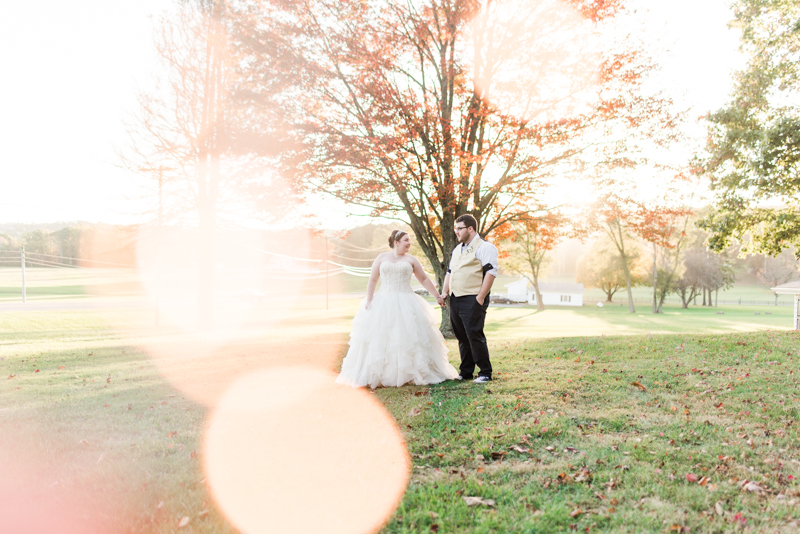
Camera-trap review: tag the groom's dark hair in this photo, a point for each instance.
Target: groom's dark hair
(469, 221)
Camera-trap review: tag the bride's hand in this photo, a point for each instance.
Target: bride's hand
(367, 304)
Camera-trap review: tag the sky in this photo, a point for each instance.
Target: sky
(72, 71)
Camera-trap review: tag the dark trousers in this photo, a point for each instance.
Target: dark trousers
(467, 318)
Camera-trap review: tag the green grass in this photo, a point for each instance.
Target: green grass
(99, 420)
(563, 438)
(508, 323)
(747, 287)
(89, 411)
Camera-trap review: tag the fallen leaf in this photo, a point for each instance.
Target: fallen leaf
(498, 455)
(62, 367)
(691, 477)
(718, 508)
(415, 412)
(476, 501)
(639, 385)
(183, 522)
(752, 486)
(575, 513)
(564, 478)
(520, 449)
(703, 481)
(11, 376)
(674, 409)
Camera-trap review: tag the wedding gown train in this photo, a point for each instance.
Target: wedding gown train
(396, 340)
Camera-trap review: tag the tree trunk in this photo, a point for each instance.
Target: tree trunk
(539, 303)
(655, 280)
(631, 308)
(624, 258)
(440, 266)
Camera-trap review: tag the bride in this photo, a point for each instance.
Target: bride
(395, 338)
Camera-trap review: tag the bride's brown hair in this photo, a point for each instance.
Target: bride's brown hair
(397, 235)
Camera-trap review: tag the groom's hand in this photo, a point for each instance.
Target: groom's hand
(442, 301)
(480, 299)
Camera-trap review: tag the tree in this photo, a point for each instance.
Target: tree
(704, 271)
(527, 249)
(753, 152)
(184, 130)
(425, 110)
(602, 268)
(40, 242)
(690, 283)
(665, 229)
(779, 270)
(68, 241)
(622, 219)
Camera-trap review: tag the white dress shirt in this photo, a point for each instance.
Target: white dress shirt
(486, 254)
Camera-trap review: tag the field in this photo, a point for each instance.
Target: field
(65, 283)
(597, 419)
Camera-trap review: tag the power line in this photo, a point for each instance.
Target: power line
(80, 259)
(356, 247)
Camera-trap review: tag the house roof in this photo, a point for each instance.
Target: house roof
(792, 288)
(552, 287)
(560, 287)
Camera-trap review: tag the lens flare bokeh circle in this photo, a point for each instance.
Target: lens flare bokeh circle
(288, 450)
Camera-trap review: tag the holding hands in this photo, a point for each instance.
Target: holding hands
(442, 301)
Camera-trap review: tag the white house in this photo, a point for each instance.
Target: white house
(792, 288)
(553, 293)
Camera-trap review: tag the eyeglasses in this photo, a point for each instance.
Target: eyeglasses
(457, 228)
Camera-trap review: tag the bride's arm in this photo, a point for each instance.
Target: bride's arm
(374, 274)
(419, 272)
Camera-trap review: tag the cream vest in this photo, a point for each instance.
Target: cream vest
(466, 276)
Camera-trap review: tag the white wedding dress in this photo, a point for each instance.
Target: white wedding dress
(396, 340)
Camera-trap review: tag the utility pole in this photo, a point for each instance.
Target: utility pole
(158, 242)
(327, 268)
(22, 258)
(150, 170)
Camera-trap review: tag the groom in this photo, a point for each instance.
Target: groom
(473, 268)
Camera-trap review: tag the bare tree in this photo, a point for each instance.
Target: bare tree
(602, 267)
(182, 131)
(778, 270)
(528, 248)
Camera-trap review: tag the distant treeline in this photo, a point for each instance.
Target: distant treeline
(84, 245)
